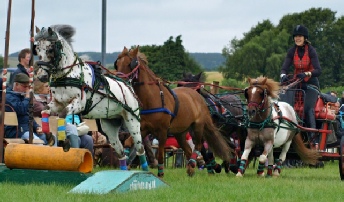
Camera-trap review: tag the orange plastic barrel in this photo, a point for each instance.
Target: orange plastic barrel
(39, 157)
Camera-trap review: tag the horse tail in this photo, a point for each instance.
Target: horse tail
(216, 141)
(307, 155)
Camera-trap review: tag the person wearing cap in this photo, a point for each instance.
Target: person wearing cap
(306, 64)
(17, 99)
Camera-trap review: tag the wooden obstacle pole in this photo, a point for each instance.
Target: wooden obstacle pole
(3, 93)
(31, 74)
(28, 156)
(215, 87)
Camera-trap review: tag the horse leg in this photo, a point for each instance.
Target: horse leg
(162, 136)
(208, 156)
(55, 106)
(282, 157)
(149, 152)
(111, 128)
(190, 156)
(243, 163)
(270, 165)
(263, 157)
(133, 126)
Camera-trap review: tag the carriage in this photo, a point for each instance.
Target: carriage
(327, 129)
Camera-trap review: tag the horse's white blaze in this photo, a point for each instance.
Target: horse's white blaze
(254, 89)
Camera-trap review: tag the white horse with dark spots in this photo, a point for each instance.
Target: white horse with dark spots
(81, 88)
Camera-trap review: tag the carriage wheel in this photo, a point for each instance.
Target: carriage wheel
(341, 158)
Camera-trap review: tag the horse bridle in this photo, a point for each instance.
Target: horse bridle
(259, 106)
(51, 67)
(133, 65)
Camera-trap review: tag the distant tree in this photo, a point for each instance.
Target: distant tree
(170, 60)
(261, 55)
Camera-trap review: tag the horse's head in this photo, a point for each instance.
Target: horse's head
(193, 79)
(128, 61)
(258, 94)
(52, 44)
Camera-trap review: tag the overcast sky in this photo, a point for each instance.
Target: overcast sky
(205, 25)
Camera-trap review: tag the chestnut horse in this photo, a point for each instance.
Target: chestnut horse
(227, 111)
(274, 124)
(170, 111)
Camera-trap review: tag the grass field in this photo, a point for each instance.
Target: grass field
(296, 184)
(213, 76)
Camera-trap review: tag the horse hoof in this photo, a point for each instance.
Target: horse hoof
(66, 145)
(190, 171)
(218, 168)
(261, 174)
(161, 175)
(276, 173)
(239, 174)
(50, 139)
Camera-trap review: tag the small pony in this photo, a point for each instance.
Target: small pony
(273, 124)
(170, 111)
(80, 87)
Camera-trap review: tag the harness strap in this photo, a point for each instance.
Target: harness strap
(163, 109)
(176, 102)
(67, 81)
(279, 113)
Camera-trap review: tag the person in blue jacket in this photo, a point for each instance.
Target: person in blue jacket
(17, 100)
(24, 58)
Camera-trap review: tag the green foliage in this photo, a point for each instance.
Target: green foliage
(234, 83)
(263, 48)
(170, 60)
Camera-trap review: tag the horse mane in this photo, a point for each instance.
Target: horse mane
(66, 31)
(143, 58)
(272, 86)
(144, 61)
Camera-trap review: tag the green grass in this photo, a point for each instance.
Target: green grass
(296, 184)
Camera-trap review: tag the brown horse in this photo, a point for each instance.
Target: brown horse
(273, 124)
(165, 111)
(227, 111)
